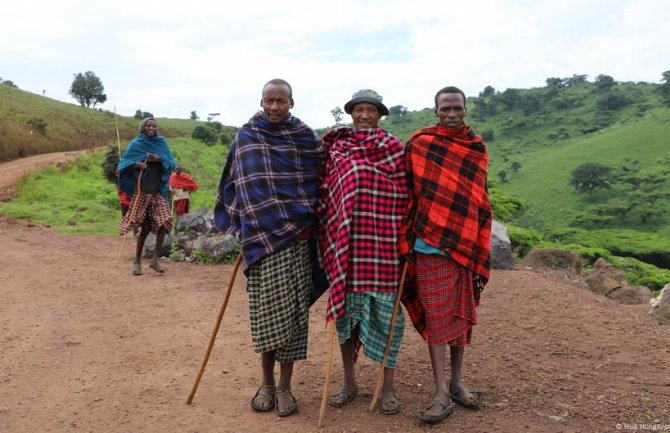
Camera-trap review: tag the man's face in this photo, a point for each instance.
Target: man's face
(450, 110)
(365, 115)
(150, 128)
(276, 102)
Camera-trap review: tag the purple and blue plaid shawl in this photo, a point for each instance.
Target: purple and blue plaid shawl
(269, 185)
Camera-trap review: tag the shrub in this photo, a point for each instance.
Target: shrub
(39, 124)
(522, 239)
(205, 134)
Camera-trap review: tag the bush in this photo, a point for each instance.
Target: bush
(522, 239)
(205, 134)
(39, 124)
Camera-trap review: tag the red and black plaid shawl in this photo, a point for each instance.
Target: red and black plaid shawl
(362, 204)
(449, 203)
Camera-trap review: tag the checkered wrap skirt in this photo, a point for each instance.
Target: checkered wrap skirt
(367, 318)
(447, 293)
(152, 205)
(279, 288)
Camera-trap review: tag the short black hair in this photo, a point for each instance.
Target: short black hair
(280, 82)
(449, 89)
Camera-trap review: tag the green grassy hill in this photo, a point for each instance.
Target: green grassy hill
(31, 124)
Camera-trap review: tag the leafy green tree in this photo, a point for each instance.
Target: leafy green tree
(604, 82)
(488, 91)
(576, 80)
(138, 115)
(516, 166)
(194, 115)
(665, 87)
(397, 111)
(591, 177)
(87, 89)
(337, 114)
(612, 101)
(9, 83)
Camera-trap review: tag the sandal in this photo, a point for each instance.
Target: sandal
(342, 398)
(447, 408)
(267, 397)
(392, 406)
(292, 406)
(476, 404)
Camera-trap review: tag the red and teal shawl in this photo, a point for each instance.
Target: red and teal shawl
(362, 202)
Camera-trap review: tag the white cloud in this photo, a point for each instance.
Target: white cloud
(173, 57)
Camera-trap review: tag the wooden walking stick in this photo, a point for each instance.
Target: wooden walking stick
(389, 340)
(216, 329)
(326, 380)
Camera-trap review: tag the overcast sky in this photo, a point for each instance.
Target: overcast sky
(172, 57)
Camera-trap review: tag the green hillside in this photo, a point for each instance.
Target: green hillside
(31, 124)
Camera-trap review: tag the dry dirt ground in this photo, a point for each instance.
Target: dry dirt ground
(87, 347)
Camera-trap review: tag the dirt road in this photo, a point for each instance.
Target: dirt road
(11, 171)
(87, 347)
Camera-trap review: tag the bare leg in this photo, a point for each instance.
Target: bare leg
(160, 236)
(264, 399)
(438, 354)
(456, 385)
(389, 401)
(349, 389)
(137, 268)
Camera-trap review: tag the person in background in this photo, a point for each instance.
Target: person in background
(362, 203)
(181, 186)
(268, 194)
(148, 159)
(447, 233)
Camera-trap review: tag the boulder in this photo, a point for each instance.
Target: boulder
(661, 306)
(605, 278)
(150, 245)
(200, 221)
(631, 294)
(501, 247)
(568, 262)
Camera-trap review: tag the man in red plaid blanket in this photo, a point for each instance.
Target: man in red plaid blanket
(447, 234)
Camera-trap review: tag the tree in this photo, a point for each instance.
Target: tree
(397, 110)
(87, 89)
(205, 134)
(591, 177)
(337, 114)
(194, 115)
(604, 82)
(612, 101)
(516, 165)
(138, 115)
(665, 87)
(576, 79)
(488, 91)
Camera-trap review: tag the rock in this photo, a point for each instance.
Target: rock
(661, 306)
(554, 259)
(605, 278)
(631, 294)
(501, 247)
(218, 247)
(200, 221)
(150, 245)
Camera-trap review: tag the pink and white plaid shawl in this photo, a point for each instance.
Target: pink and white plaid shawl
(362, 202)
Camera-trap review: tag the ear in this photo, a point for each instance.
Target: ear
(292, 103)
